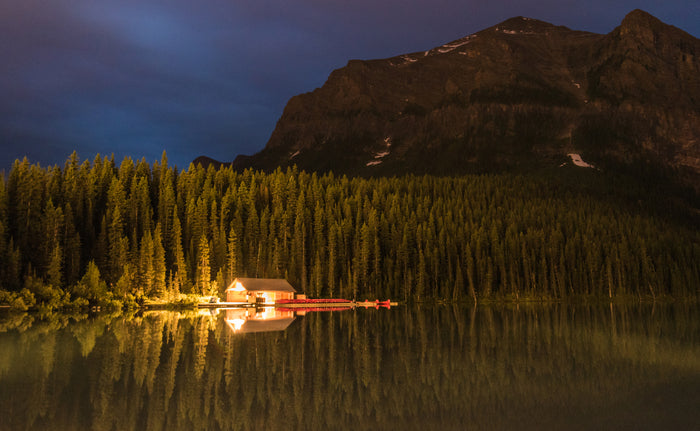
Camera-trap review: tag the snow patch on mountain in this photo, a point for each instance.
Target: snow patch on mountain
(449, 47)
(578, 161)
(381, 154)
(456, 44)
(505, 31)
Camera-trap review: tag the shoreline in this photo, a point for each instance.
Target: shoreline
(487, 302)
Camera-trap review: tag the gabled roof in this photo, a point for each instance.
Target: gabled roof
(267, 284)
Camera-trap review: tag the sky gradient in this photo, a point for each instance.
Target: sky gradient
(211, 77)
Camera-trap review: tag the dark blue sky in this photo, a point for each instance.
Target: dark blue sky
(136, 77)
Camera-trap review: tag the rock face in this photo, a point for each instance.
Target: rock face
(520, 94)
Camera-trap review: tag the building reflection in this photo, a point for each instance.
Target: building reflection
(261, 319)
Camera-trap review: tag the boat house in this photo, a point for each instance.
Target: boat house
(259, 290)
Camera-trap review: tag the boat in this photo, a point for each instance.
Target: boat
(331, 302)
(376, 303)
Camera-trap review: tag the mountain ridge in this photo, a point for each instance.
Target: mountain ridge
(518, 94)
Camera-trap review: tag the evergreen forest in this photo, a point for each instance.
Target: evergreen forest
(102, 233)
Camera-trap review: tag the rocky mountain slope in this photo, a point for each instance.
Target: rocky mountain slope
(518, 95)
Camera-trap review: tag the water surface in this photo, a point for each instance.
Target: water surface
(436, 367)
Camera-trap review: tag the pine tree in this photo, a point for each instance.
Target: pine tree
(159, 268)
(146, 268)
(179, 268)
(203, 267)
(234, 256)
(118, 243)
(299, 251)
(91, 286)
(52, 222)
(332, 259)
(166, 204)
(54, 273)
(72, 248)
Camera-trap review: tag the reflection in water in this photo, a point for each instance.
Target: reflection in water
(265, 319)
(535, 367)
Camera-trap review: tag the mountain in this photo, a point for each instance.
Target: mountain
(516, 96)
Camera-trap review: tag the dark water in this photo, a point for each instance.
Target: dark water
(437, 367)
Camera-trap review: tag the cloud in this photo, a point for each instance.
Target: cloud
(115, 76)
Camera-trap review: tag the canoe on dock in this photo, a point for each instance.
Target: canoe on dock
(332, 302)
(376, 303)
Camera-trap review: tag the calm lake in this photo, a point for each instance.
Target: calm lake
(544, 367)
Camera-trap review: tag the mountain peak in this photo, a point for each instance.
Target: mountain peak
(639, 21)
(639, 17)
(522, 25)
(522, 21)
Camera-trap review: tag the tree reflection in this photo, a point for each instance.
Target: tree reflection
(451, 367)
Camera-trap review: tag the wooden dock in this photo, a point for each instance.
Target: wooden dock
(226, 305)
(319, 304)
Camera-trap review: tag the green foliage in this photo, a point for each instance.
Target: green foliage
(51, 297)
(19, 301)
(203, 268)
(107, 234)
(93, 289)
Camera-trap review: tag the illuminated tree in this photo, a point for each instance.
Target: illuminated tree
(203, 267)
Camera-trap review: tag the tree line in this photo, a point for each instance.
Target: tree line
(94, 233)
